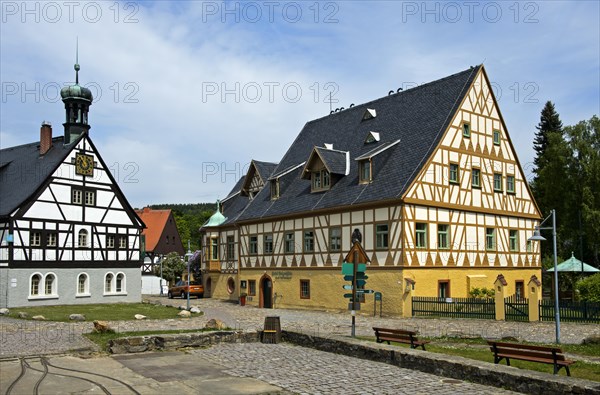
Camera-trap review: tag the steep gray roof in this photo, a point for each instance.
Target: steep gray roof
(334, 160)
(23, 171)
(265, 169)
(417, 117)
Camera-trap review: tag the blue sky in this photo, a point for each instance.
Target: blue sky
(187, 93)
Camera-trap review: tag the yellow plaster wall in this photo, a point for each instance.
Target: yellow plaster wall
(219, 286)
(462, 280)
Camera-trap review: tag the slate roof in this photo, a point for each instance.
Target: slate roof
(234, 203)
(265, 169)
(23, 171)
(334, 160)
(417, 117)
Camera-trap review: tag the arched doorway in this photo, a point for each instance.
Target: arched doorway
(208, 290)
(266, 292)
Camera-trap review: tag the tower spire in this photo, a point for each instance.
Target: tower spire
(77, 67)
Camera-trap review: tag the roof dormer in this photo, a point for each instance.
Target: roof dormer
(369, 113)
(372, 137)
(323, 164)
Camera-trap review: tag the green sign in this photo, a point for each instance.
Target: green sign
(377, 295)
(348, 268)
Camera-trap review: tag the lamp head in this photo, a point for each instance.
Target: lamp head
(536, 235)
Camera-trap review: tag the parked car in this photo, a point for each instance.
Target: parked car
(182, 289)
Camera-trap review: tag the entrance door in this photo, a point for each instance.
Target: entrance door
(207, 291)
(266, 287)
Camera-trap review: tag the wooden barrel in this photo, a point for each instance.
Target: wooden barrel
(272, 330)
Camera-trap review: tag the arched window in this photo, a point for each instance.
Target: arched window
(83, 235)
(120, 282)
(82, 284)
(49, 284)
(108, 282)
(36, 279)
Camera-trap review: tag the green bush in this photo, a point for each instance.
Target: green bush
(589, 288)
(481, 293)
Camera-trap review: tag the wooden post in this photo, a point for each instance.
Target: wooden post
(534, 292)
(499, 295)
(409, 287)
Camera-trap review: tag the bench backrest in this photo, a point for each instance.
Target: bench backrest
(527, 350)
(399, 332)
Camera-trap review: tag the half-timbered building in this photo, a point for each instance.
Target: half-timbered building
(68, 234)
(430, 178)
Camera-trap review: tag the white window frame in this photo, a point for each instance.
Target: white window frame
(86, 286)
(42, 286)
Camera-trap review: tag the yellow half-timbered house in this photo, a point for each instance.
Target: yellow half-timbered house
(430, 178)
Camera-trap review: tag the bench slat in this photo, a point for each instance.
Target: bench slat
(526, 352)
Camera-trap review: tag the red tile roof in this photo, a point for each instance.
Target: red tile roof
(155, 221)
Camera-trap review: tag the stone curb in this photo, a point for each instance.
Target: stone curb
(514, 379)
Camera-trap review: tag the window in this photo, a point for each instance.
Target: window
(304, 289)
(251, 287)
(167, 239)
(35, 239)
(496, 137)
(35, 284)
(230, 248)
(49, 284)
(90, 198)
(453, 175)
(253, 245)
(108, 282)
(230, 285)
(364, 170)
(214, 249)
(309, 241)
(275, 189)
(513, 239)
(528, 245)
(466, 130)
(498, 182)
(321, 180)
(123, 242)
(76, 196)
(120, 282)
(444, 289)
(82, 241)
(289, 243)
(82, 284)
(490, 239)
(444, 236)
(476, 178)
(335, 239)
(268, 239)
(421, 235)
(382, 236)
(51, 239)
(110, 241)
(510, 184)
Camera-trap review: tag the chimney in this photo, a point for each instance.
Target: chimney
(45, 138)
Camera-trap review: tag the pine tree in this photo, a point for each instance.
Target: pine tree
(549, 122)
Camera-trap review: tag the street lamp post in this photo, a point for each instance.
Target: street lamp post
(188, 256)
(538, 237)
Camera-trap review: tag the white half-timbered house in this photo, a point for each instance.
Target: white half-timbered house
(68, 234)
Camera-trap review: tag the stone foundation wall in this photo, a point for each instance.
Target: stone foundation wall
(138, 344)
(520, 380)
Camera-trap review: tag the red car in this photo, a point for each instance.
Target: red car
(182, 289)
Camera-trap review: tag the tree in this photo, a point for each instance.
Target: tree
(589, 288)
(551, 184)
(172, 267)
(584, 204)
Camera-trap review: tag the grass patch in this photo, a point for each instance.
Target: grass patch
(102, 339)
(103, 312)
(478, 349)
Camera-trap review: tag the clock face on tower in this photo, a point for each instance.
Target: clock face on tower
(84, 165)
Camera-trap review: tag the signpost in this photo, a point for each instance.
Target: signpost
(353, 269)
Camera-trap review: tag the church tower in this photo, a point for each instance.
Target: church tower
(78, 100)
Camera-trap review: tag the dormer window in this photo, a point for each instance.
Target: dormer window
(321, 180)
(370, 113)
(364, 171)
(275, 189)
(372, 137)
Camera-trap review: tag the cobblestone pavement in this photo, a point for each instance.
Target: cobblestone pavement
(20, 337)
(308, 371)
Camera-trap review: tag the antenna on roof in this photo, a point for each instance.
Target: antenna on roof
(330, 101)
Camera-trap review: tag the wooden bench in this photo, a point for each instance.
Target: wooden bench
(399, 336)
(525, 352)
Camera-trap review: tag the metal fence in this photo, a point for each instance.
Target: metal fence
(454, 307)
(571, 311)
(516, 308)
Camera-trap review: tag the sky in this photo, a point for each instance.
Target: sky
(187, 93)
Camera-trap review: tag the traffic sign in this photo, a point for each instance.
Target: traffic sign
(364, 291)
(349, 287)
